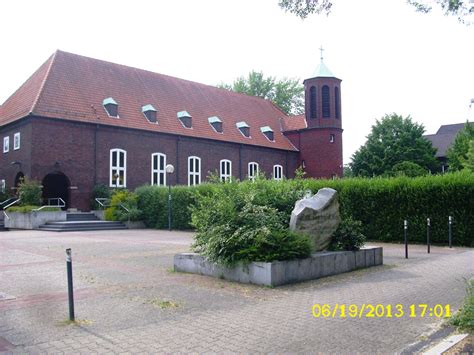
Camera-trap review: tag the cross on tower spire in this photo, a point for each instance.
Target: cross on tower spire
(321, 49)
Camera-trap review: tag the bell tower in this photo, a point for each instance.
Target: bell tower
(323, 97)
(320, 142)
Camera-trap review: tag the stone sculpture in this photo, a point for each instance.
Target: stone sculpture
(317, 216)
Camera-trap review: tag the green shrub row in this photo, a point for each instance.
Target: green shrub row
(381, 204)
(30, 208)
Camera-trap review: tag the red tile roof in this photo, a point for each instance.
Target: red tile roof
(72, 87)
(292, 123)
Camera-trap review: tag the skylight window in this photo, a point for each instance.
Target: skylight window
(111, 107)
(149, 112)
(185, 119)
(244, 128)
(268, 132)
(216, 123)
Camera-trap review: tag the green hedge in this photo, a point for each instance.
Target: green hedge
(30, 208)
(381, 204)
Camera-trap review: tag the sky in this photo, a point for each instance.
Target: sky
(390, 58)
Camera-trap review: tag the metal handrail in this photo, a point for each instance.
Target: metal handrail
(61, 204)
(9, 205)
(126, 210)
(6, 201)
(100, 201)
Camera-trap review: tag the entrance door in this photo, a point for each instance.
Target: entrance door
(56, 185)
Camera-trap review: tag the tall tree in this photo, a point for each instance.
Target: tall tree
(457, 152)
(458, 8)
(287, 93)
(393, 140)
(469, 163)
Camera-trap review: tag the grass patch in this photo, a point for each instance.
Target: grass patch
(163, 304)
(67, 322)
(30, 208)
(464, 318)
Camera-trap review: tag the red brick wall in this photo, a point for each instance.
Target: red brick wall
(82, 153)
(332, 121)
(71, 145)
(7, 170)
(322, 158)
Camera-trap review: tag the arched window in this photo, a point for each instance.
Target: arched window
(312, 102)
(277, 172)
(253, 171)
(225, 170)
(118, 168)
(337, 102)
(194, 171)
(326, 98)
(158, 169)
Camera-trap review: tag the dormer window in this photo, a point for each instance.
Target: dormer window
(244, 128)
(185, 119)
(268, 132)
(149, 112)
(111, 107)
(216, 123)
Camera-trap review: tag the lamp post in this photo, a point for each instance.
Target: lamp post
(169, 170)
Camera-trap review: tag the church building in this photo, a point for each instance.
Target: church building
(78, 122)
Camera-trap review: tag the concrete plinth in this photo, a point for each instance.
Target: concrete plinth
(283, 272)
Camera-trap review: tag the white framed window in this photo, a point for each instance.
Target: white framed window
(6, 144)
(225, 170)
(118, 168)
(158, 169)
(194, 171)
(253, 170)
(277, 172)
(16, 141)
(332, 138)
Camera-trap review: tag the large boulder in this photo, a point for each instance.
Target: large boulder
(317, 216)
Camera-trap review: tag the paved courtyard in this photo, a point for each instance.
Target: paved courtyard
(128, 299)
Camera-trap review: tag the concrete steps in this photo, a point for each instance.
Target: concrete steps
(81, 216)
(81, 221)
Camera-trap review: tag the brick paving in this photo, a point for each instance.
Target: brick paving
(128, 299)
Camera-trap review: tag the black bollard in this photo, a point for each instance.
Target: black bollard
(450, 222)
(428, 230)
(405, 228)
(69, 284)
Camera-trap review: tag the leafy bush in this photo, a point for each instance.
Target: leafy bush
(408, 168)
(30, 208)
(153, 201)
(234, 226)
(99, 191)
(126, 199)
(348, 236)
(381, 204)
(464, 319)
(5, 195)
(30, 191)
